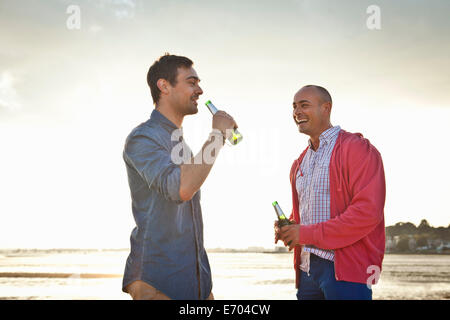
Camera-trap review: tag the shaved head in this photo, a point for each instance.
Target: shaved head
(322, 92)
(311, 111)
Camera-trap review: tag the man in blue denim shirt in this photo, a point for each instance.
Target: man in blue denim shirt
(167, 258)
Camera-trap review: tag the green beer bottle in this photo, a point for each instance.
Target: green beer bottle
(237, 136)
(282, 220)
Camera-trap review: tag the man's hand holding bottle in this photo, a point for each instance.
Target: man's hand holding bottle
(285, 229)
(223, 122)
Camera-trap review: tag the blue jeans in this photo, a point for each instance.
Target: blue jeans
(321, 284)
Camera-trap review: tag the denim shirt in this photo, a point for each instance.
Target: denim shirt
(167, 248)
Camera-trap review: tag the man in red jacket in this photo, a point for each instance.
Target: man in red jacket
(338, 195)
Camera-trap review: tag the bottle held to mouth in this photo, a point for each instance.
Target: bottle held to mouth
(236, 135)
(282, 220)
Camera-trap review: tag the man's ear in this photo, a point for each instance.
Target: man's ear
(327, 106)
(163, 86)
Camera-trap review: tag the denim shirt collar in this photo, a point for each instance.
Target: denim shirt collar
(159, 118)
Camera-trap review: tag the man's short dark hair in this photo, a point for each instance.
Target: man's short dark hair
(166, 67)
(324, 94)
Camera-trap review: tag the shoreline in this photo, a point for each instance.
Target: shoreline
(15, 252)
(58, 275)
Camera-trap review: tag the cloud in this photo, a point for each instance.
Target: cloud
(9, 99)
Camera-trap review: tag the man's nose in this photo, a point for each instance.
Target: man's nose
(199, 91)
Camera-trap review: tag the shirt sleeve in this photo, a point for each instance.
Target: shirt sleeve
(153, 163)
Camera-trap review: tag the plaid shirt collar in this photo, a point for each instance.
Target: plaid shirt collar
(327, 136)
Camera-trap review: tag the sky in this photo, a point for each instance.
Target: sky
(69, 96)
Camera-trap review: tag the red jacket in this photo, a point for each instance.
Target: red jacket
(355, 230)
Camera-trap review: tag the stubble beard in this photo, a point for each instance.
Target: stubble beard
(303, 131)
(187, 108)
(191, 109)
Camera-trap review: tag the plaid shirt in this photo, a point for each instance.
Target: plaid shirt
(313, 186)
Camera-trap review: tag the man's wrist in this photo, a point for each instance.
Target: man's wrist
(217, 134)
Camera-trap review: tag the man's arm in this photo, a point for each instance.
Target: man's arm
(144, 153)
(194, 174)
(362, 215)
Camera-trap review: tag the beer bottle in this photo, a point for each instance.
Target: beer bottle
(237, 136)
(282, 220)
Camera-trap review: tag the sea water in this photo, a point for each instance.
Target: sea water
(97, 274)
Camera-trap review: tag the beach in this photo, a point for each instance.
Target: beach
(97, 275)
